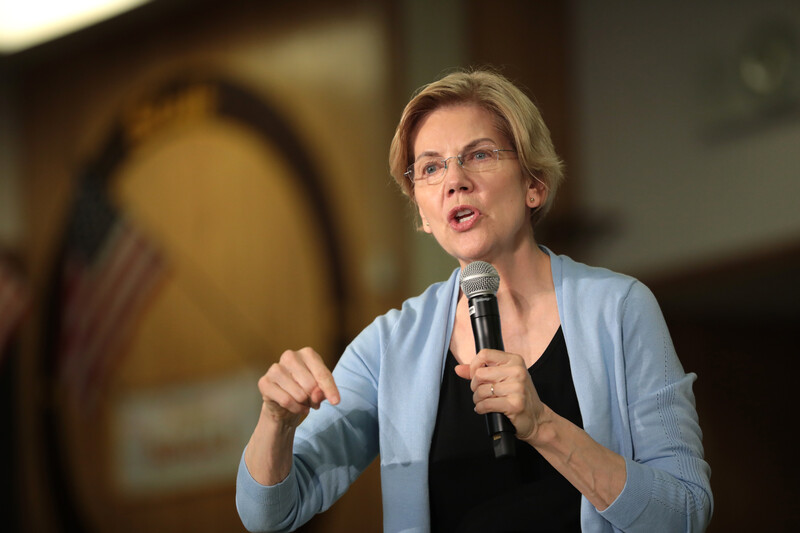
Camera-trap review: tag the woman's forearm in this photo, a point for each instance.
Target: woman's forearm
(597, 472)
(269, 452)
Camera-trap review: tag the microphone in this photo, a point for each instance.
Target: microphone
(479, 282)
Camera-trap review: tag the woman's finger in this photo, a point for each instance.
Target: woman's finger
(488, 357)
(492, 404)
(464, 371)
(279, 401)
(294, 363)
(288, 381)
(309, 371)
(322, 376)
(499, 374)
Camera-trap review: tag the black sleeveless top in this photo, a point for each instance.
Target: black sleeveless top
(470, 490)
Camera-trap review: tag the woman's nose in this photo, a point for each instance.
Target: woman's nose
(456, 179)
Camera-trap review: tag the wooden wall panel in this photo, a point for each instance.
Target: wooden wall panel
(247, 273)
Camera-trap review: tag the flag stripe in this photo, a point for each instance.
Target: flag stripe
(109, 271)
(96, 291)
(122, 280)
(134, 288)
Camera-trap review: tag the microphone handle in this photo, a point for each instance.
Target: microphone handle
(485, 317)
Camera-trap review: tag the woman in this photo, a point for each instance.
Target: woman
(607, 434)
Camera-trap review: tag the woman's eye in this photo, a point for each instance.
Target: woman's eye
(430, 168)
(480, 155)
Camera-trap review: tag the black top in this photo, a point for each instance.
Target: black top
(470, 490)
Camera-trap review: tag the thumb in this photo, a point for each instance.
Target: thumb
(463, 371)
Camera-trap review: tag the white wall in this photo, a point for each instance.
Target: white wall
(669, 141)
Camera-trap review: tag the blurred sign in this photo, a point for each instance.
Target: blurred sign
(183, 437)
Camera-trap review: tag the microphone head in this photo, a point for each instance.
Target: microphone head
(479, 277)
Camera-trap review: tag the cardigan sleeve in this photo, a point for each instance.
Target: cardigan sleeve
(332, 446)
(667, 486)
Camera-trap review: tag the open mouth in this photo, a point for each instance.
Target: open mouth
(462, 215)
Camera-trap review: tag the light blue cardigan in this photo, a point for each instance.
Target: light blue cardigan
(634, 398)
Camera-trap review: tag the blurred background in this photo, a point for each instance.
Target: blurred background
(187, 188)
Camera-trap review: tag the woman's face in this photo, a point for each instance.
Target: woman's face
(473, 215)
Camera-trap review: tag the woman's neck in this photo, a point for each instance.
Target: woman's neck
(523, 281)
(527, 304)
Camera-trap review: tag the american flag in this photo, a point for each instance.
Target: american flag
(14, 299)
(109, 272)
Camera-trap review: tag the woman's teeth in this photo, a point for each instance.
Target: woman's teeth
(464, 214)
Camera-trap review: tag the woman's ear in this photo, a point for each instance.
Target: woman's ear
(536, 194)
(533, 198)
(426, 227)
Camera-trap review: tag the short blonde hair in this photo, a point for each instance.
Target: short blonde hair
(517, 118)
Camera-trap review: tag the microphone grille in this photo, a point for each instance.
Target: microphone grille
(479, 277)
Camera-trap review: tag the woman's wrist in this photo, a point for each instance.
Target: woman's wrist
(269, 452)
(283, 423)
(597, 472)
(544, 432)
